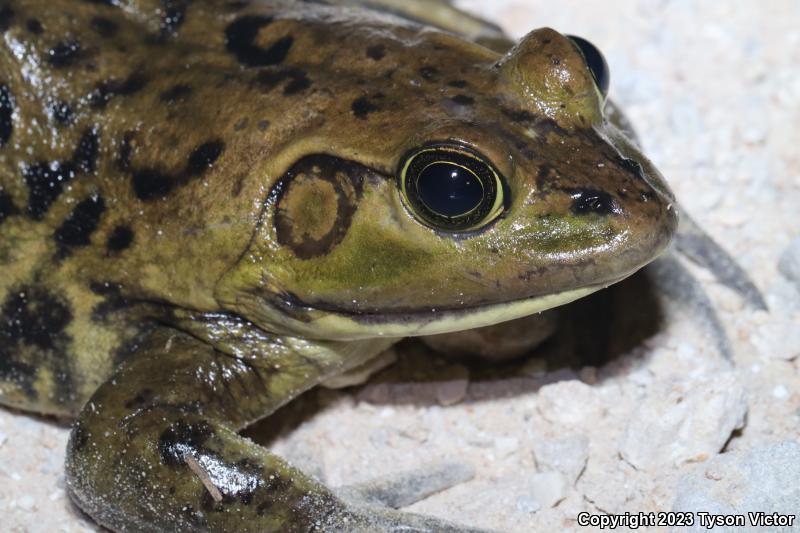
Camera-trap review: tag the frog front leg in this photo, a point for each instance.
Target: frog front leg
(157, 449)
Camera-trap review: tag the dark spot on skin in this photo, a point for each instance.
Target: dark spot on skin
(182, 438)
(327, 186)
(34, 26)
(62, 113)
(545, 178)
(113, 300)
(6, 16)
(631, 166)
(33, 316)
(7, 207)
(236, 5)
(104, 27)
(76, 231)
(463, 99)
(79, 437)
(298, 80)
(240, 36)
(19, 373)
(177, 92)
(85, 156)
(263, 508)
(362, 107)
(542, 125)
(204, 156)
(106, 90)
(520, 115)
(458, 84)
(45, 182)
(588, 201)
(376, 52)
(428, 73)
(125, 150)
(149, 184)
(120, 239)
(238, 186)
(64, 54)
(105, 288)
(144, 397)
(6, 114)
(546, 125)
(173, 14)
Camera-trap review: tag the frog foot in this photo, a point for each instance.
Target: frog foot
(157, 448)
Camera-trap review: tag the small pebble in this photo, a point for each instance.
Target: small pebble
(548, 488)
(526, 504)
(505, 446)
(780, 392)
(778, 339)
(570, 403)
(684, 422)
(26, 503)
(567, 454)
(451, 392)
(761, 478)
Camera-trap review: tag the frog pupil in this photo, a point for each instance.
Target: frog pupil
(449, 190)
(595, 61)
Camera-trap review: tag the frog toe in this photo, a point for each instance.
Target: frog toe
(380, 519)
(405, 488)
(697, 246)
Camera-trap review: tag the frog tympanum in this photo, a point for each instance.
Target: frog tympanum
(209, 207)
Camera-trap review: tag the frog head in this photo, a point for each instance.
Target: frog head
(444, 187)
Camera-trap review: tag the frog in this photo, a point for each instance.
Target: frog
(208, 208)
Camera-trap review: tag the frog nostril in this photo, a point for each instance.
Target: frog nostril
(586, 201)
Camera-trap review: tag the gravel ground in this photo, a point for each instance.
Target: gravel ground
(714, 91)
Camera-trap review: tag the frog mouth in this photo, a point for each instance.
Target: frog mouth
(328, 323)
(433, 322)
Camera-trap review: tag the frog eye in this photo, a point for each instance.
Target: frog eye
(451, 188)
(595, 61)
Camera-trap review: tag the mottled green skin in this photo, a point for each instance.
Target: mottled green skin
(200, 219)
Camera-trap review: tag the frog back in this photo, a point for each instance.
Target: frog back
(121, 174)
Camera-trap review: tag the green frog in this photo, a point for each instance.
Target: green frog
(210, 207)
